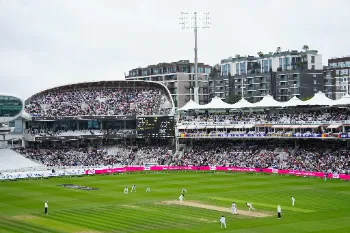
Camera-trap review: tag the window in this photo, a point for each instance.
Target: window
(347, 63)
(313, 67)
(333, 65)
(341, 64)
(312, 59)
(237, 68)
(243, 68)
(280, 63)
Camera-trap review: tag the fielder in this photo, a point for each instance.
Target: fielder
(126, 190)
(46, 207)
(181, 197)
(148, 190)
(234, 208)
(250, 206)
(293, 200)
(223, 221)
(279, 210)
(184, 190)
(133, 188)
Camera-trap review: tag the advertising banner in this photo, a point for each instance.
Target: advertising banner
(215, 168)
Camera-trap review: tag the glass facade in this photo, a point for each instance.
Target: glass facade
(243, 67)
(10, 106)
(265, 66)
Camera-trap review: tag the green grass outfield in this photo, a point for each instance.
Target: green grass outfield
(320, 206)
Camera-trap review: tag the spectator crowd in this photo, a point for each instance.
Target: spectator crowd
(222, 153)
(96, 156)
(97, 101)
(279, 117)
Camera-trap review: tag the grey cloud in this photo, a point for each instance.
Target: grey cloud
(48, 43)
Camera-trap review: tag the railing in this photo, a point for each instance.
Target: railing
(255, 122)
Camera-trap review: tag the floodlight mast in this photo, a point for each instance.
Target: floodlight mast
(195, 20)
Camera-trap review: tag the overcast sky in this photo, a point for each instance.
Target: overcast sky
(45, 43)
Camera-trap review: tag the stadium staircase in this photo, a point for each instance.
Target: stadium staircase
(11, 160)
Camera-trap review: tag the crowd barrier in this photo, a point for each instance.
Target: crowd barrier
(218, 168)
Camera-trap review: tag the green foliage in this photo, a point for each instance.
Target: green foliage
(306, 98)
(233, 99)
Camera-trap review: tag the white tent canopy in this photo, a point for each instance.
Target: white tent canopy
(320, 99)
(216, 103)
(295, 101)
(345, 100)
(268, 101)
(242, 103)
(190, 105)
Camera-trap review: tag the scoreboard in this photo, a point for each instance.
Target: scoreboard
(156, 127)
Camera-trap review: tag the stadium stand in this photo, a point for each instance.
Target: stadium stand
(10, 160)
(101, 98)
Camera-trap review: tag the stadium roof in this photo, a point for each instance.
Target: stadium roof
(295, 101)
(216, 103)
(345, 100)
(268, 101)
(320, 99)
(243, 103)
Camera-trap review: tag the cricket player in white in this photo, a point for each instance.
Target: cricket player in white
(279, 210)
(126, 190)
(293, 200)
(148, 190)
(181, 198)
(133, 188)
(46, 207)
(184, 190)
(250, 206)
(223, 222)
(234, 208)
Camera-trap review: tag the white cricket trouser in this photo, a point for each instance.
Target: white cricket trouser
(234, 210)
(180, 199)
(292, 203)
(223, 224)
(251, 207)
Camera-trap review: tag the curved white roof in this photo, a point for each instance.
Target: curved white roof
(7, 119)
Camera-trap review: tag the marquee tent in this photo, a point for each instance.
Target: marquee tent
(190, 105)
(267, 101)
(295, 101)
(242, 103)
(345, 100)
(320, 99)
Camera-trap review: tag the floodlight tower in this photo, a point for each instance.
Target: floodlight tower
(195, 21)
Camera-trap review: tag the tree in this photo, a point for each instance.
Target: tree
(233, 99)
(306, 98)
(260, 54)
(278, 50)
(305, 48)
(237, 56)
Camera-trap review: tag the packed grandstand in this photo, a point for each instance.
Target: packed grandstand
(132, 123)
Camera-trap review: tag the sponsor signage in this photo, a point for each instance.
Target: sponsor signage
(217, 168)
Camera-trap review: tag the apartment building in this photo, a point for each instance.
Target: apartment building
(336, 77)
(281, 74)
(179, 78)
